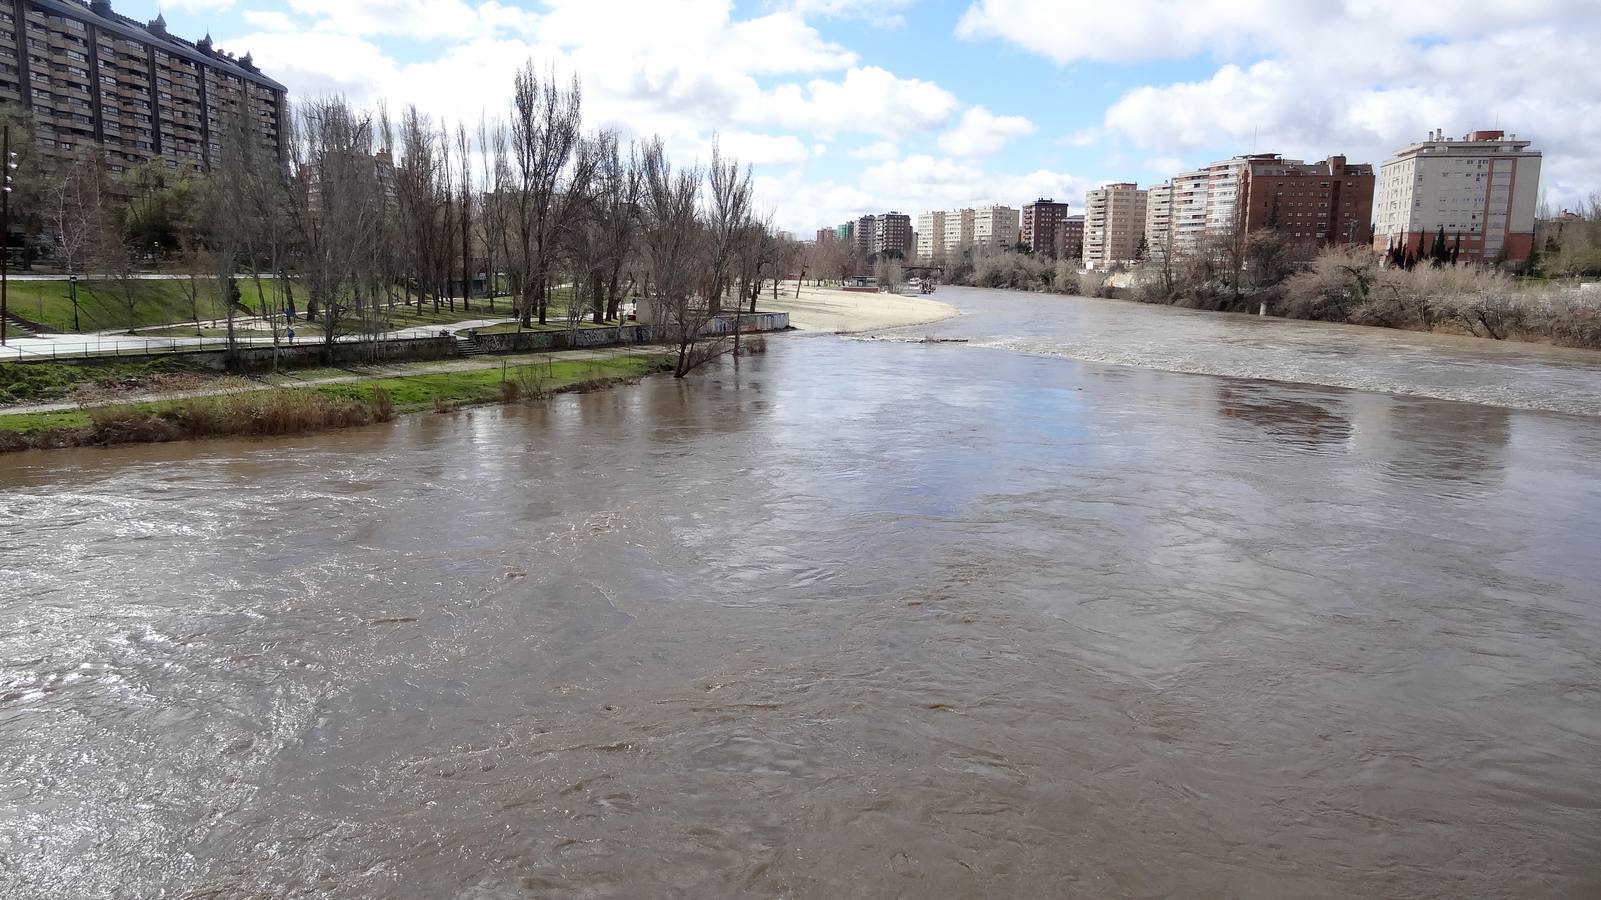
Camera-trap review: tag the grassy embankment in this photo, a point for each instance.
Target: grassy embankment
(42, 382)
(314, 408)
(165, 302)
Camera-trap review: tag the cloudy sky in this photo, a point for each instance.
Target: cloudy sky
(853, 106)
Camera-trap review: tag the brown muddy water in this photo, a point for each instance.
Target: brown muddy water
(857, 619)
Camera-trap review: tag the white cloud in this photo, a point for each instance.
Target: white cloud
(868, 99)
(269, 20)
(1354, 102)
(879, 150)
(424, 19)
(749, 148)
(982, 133)
(921, 182)
(1070, 30)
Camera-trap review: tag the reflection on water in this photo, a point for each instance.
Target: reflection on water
(855, 619)
(1312, 422)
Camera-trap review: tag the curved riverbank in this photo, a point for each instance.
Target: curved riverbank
(1508, 374)
(834, 310)
(321, 406)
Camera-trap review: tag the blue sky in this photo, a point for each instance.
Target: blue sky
(852, 106)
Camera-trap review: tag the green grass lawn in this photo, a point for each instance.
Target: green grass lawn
(38, 382)
(416, 392)
(101, 306)
(409, 393)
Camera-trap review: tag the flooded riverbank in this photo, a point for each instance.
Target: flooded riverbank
(850, 619)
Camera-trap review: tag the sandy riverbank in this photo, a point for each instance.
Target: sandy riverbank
(830, 309)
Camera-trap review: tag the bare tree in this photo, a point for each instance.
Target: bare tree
(464, 215)
(496, 169)
(74, 205)
(545, 132)
(616, 216)
(727, 216)
(674, 245)
(419, 174)
(336, 204)
(116, 261)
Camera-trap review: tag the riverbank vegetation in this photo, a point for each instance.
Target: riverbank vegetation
(38, 382)
(294, 410)
(1353, 285)
(365, 218)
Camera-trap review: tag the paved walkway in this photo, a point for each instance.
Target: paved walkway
(365, 373)
(112, 343)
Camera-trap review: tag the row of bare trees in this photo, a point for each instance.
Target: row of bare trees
(369, 214)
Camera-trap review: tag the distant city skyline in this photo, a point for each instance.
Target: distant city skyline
(846, 107)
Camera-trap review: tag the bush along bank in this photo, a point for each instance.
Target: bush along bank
(282, 411)
(1337, 284)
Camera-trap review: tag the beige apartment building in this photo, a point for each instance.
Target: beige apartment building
(931, 236)
(995, 227)
(1483, 188)
(1114, 224)
(89, 76)
(958, 231)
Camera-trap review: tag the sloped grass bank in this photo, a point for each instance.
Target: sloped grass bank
(277, 411)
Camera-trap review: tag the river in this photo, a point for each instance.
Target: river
(1045, 614)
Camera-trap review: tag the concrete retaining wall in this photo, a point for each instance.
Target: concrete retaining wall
(301, 355)
(257, 359)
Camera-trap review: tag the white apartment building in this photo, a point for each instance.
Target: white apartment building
(1483, 188)
(995, 227)
(931, 236)
(1194, 204)
(1114, 223)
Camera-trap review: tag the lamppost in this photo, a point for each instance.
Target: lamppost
(5, 230)
(72, 290)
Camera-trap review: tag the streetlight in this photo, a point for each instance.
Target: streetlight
(5, 230)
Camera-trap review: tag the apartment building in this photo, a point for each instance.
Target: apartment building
(1183, 210)
(931, 236)
(1072, 238)
(893, 234)
(1324, 203)
(1159, 233)
(89, 76)
(995, 227)
(1483, 188)
(1041, 227)
(958, 231)
(826, 236)
(1114, 224)
(865, 235)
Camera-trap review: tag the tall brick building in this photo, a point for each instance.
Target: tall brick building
(893, 234)
(1042, 227)
(1073, 237)
(87, 75)
(1324, 203)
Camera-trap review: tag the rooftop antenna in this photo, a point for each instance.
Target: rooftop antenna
(1253, 138)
